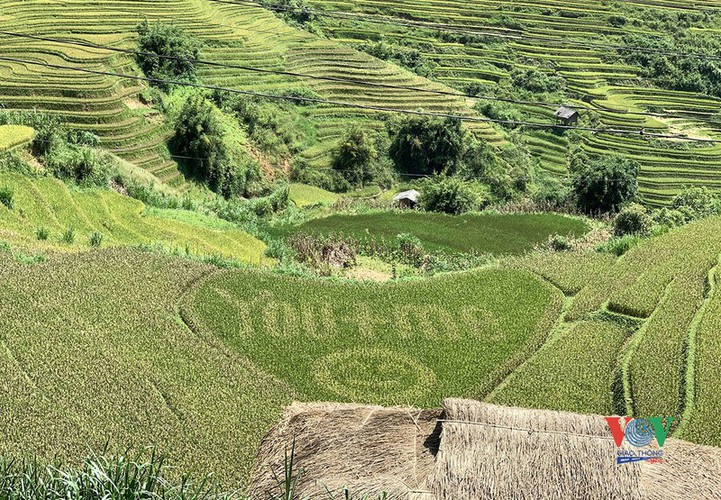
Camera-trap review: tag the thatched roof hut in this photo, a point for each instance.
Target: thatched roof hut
(368, 449)
(485, 451)
(566, 116)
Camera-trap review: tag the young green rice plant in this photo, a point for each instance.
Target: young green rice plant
(42, 233)
(494, 233)
(68, 236)
(96, 239)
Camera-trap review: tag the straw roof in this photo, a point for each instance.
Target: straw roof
(564, 112)
(485, 451)
(369, 449)
(411, 194)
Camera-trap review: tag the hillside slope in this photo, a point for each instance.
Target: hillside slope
(232, 34)
(488, 40)
(47, 204)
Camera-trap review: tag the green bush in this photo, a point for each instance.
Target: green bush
(633, 219)
(620, 245)
(68, 236)
(42, 233)
(605, 185)
(451, 195)
(536, 81)
(81, 164)
(410, 248)
(200, 133)
(6, 197)
(427, 145)
(697, 203)
(502, 111)
(669, 217)
(657, 60)
(168, 53)
(409, 57)
(95, 239)
(358, 159)
(559, 243)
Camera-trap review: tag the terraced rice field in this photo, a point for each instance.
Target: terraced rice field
(48, 203)
(233, 34)
(14, 135)
(92, 350)
(303, 195)
(498, 234)
(405, 343)
(555, 35)
(539, 331)
(647, 319)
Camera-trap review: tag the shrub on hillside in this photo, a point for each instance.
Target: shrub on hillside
(168, 53)
(201, 135)
(451, 195)
(81, 164)
(669, 217)
(501, 111)
(558, 243)
(427, 145)
(620, 245)
(6, 197)
(536, 81)
(696, 203)
(276, 127)
(605, 185)
(358, 159)
(654, 56)
(330, 180)
(409, 57)
(633, 219)
(552, 192)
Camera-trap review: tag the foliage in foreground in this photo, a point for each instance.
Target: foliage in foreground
(127, 476)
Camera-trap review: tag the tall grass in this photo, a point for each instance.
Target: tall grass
(127, 476)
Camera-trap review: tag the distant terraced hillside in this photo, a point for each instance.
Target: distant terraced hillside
(233, 34)
(531, 32)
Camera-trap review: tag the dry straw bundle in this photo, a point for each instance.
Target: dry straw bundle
(474, 450)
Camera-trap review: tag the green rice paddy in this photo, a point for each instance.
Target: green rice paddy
(498, 234)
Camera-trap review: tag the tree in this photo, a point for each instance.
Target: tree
(605, 185)
(357, 157)
(428, 145)
(167, 52)
(697, 203)
(200, 135)
(451, 195)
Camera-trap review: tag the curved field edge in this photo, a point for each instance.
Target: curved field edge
(572, 372)
(92, 350)
(393, 343)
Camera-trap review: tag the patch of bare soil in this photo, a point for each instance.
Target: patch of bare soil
(135, 103)
(363, 273)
